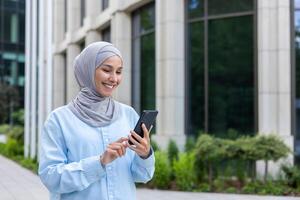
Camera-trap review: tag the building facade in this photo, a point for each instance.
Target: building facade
(12, 57)
(226, 70)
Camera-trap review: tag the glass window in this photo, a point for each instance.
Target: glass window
(66, 15)
(231, 89)
(105, 4)
(221, 88)
(297, 79)
(22, 28)
(143, 76)
(229, 6)
(147, 20)
(195, 8)
(82, 11)
(147, 72)
(106, 34)
(196, 63)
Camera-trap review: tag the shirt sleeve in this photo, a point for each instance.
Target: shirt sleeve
(142, 170)
(55, 172)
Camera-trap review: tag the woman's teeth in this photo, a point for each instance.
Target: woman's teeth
(109, 86)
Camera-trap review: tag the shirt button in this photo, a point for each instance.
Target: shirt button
(106, 140)
(109, 168)
(111, 196)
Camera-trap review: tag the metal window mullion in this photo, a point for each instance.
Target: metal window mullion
(206, 74)
(223, 16)
(293, 73)
(255, 59)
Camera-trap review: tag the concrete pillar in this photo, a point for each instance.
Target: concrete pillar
(72, 86)
(59, 31)
(274, 73)
(92, 36)
(92, 10)
(169, 29)
(59, 75)
(121, 37)
(73, 15)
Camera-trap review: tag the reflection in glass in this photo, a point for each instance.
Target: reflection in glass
(147, 18)
(221, 87)
(143, 58)
(297, 79)
(229, 6)
(148, 72)
(195, 8)
(196, 85)
(231, 89)
(106, 34)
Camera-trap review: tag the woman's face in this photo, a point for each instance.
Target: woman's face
(108, 76)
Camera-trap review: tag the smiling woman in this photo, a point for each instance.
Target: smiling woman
(85, 152)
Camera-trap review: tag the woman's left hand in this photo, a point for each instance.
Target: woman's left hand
(140, 145)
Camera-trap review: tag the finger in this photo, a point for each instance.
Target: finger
(136, 136)
(122, 139)
(113, 153)
(146, 132)
(133, 140)
(142, 141)
(119, 148)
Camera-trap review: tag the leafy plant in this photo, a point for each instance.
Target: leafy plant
(172, 151)
(162, 175)
(209, 150)
(269, 147)
(154, 145)
(17, 133)
(184, 171)
(189, 144)
(4, 128)
(292, 175)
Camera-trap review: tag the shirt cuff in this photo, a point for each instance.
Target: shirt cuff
(92, 168)
(146, 162)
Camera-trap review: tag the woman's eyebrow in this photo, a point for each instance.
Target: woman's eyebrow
(110, 66)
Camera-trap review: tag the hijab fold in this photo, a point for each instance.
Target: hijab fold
(90, 106)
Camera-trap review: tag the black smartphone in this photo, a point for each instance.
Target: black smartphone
(147, 117)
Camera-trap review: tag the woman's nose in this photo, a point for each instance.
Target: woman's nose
(113, 77)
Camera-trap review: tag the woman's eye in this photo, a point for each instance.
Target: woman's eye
(119, 72)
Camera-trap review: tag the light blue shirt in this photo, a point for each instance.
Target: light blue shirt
(69, 158)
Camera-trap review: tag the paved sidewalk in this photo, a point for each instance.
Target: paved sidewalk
(17, 183)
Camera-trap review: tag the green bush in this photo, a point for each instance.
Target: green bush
(18, 117)
(4, 128)
(270, 147)
(12, 148)
(30, 164)
(172, 151)
(154, 145)
(292, 175)
(231, 190)
(17, 133)
(184, 171)
(210, 150)
(162, 175)
(189, 144)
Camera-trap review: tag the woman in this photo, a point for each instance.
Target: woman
(85, 152)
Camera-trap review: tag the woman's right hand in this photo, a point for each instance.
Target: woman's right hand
(114, 150)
